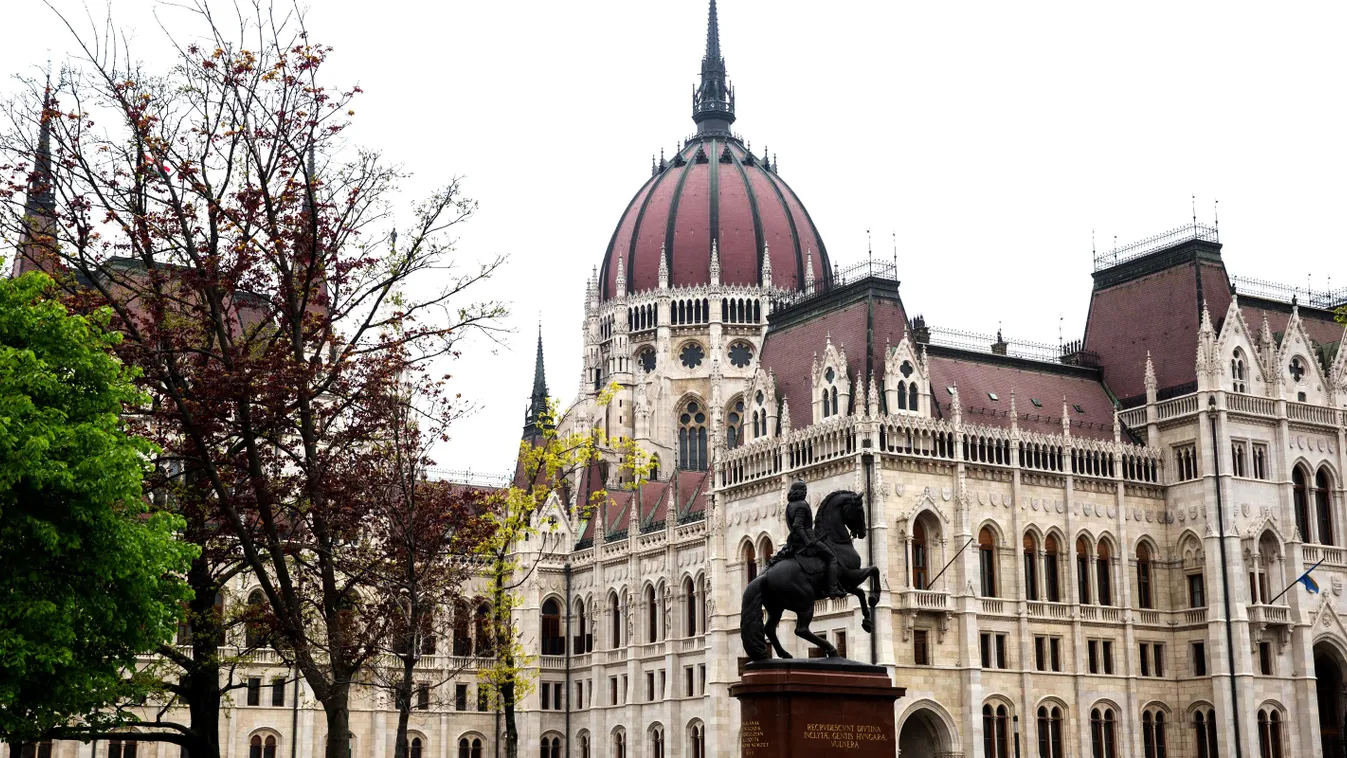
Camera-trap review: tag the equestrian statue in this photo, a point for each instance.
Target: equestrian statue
(818, 561)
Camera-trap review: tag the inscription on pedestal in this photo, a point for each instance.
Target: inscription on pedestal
(752, 740)
(844, 736)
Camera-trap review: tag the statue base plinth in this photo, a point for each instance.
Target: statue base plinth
(815, 707)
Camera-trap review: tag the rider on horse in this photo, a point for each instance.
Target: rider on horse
(803, 541)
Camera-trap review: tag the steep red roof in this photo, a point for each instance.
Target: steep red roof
(976, 375)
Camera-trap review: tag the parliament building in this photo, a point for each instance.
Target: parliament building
(1083, 545)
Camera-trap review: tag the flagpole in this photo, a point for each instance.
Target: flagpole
(1293, 583)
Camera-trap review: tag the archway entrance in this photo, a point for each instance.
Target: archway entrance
(1328, 673)
(923, 735)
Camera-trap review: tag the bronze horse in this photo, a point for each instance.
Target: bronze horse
(796, 583)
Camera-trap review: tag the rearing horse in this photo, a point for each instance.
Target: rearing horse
(787, 585)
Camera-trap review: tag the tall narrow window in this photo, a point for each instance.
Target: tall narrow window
(1104, 571)
(692, 437)
(734, 425)
(750, 563)
(1050, 732)
(552, 642)
(1237, 371)
(995, 723)
(1103, 737)
(1030, 567)
(1204, 732)
(912, 396)
(690, 608)
(255, 628)
(1051, 583)
(1144, 598)
(651, 615)
(615, 618)
(1196, 591)
(1300, 490)
(987, 561)
(902, 396)
(1323, 494)
(1082, 571)
(919, 555)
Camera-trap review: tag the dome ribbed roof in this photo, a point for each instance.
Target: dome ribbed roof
(713, 189)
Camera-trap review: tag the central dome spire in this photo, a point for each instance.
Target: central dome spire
(713, 100)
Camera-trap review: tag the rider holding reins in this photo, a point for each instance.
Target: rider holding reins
(803, 541)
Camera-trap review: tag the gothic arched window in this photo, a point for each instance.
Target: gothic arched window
(1082, 571)
(1269, 733)
(690, 608)
(552, 643)
(651, 615)
(1300, 490)
(1204, 731)
(1052, 586)
(734, 425)
(1050, 732)
(902, 396)
(1103, 737)
(1153, 737)
(1103, 574)
(987, 561)
(920, 556)
(750, 563)
(1323, 496)
(995, 728)
(1030, 567)
(654, 468)
(692, 437)
(255, 628)
(912, 396)
(1237, 371)
(615, 617)
(1144, 599)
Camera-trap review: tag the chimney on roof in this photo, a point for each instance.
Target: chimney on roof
(1000, 346)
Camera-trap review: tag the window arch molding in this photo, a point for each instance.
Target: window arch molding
(997, 713)
(1105, 724)
(651, 622)
(766, 548)
(692, 419)
(748, 556)
(1050, 716)
(470, 744)
(991, 541)
(552, 744)
(696, 737)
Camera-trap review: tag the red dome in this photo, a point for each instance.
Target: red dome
(713, 189)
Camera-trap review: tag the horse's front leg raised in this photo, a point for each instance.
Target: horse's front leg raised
(802, 620)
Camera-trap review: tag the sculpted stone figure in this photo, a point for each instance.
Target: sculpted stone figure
(817, 561)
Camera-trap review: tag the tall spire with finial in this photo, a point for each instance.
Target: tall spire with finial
(713, 100)
(36, 243)
(533, 419)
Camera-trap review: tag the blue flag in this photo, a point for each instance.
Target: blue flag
(1308, 581)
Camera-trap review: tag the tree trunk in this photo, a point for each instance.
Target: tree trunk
(201, 679)
(337, 708)
(402, 693)
(511, 729)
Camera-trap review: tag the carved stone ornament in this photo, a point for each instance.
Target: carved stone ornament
(947, 493)
(1337, 585)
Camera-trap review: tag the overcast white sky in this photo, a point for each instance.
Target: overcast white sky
(991, 137)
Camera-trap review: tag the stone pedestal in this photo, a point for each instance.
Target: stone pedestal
(816, 707)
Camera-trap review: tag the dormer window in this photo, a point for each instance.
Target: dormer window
(1037, 403)
(1237, 371)
(992, 397)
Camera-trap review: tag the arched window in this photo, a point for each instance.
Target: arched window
(553, 641)
(1204, 732)
(1103, 572)
(987, 561)
(1082, 571)
(1052, 585)
(1103, 736)
(482, 631)
(415, 748)
(584, 641)
(1050, 732)
(1269, 733)
(689, 608)
(654, 468)
(1323, 496)
(1300, 489)
(656, 742)
(995, 728)
(902, 396)
(1153, 737)
(920, 556)
(255, 746)
(750, 557)
(1144, 598)
(121, 748)
(651, 615)
(1030, 567)
(584, 745)
(1237, 371)
(823, 396)
(734, 426)
(697, 738)
(619, 744)
(615, 619)
(462, 640)
(550, 747)
(912, 396)
(255, 627)
(834, 400)
(692, 437)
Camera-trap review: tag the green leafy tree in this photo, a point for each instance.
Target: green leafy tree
(89, 576)
(545, 467)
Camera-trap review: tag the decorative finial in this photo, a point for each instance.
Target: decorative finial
(766, 266)
(713, 99)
